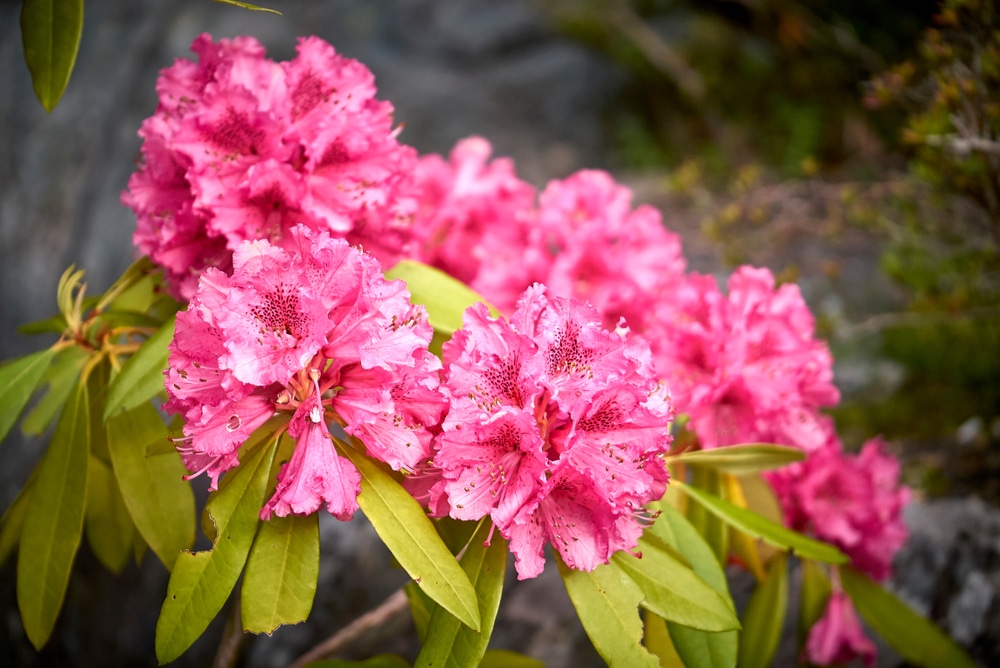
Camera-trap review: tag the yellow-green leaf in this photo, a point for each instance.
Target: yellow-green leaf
(281, 574)
(60, 377)
(53, 522)
(914, 637)
(159, 500)
(764, 617)
(450, 643)
(18, 380)
(13, 520)
(607, 601)
(247, 5)
(444, 297)
(742, 459)
(505, 658)
(405, 529)
(50, 32)
(141, 377)
(108, 524)
(657, 639)
(816, 591)
(709, 525)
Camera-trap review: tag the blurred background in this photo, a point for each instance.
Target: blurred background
(850, 146)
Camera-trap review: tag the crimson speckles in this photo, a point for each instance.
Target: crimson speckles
(504, 381)
(566, 354)
(335, 154)
(605, 418)
(235, 134)
(280, 312)
(307, 95)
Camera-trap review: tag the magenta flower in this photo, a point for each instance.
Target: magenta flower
(837, 638)
(745, 368)
(243, 148)
(556, 431)
(314, 333)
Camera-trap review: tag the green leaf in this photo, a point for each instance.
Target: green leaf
(815, 594)
(18, 380)
(451, 643)
(201, 582)
(742, 459)
(421, 606)
(764, 617)
(158, 499)
(444, 297)
(657, 639)
(709, 525)
(13, 520)
(504, 658)
(53, 522)
(247, 5)
(54, 325)
(51, 30)
(405, 529)
(108, 524)
(914, 637)
(607, 601)
(379, 661)
(281, 574)
(759, 526)
(61, 377)
(141, 377)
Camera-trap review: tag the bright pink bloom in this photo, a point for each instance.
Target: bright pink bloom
(852, 501)
(745, 368)
(243, 148)
(837, 638)
(314, 333)
(556, 430)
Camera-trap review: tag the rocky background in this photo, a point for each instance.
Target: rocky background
(489, 67)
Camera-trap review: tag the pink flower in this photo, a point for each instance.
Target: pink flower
(852, 501)
(244, 148)
(316, 334)
(556, 430)
(747, 367)
(837, 638)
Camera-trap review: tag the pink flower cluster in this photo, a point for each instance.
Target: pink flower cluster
(556, 431)
(241, 147)
(317, 334)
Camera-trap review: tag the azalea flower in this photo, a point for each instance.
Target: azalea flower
(316, 334)
(556, 431)
(837, 638)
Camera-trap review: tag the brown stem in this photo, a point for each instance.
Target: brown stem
(232, 638)
(390, 608)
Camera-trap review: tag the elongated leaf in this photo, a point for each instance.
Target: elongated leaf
(379, 661)
(158, 499)
(607, 601)
(742, 545)
(247, 5)
(51, 30)
(451, 643)
(742, 459)
(709, 525)
(760, 527)
(657, 639)
(13, 520)
(53, 523)
(405, 529)
(504, 658)
(54, 325)
(201, 582)
(141, 377)
(914, 637)
(60, 377)
(815, 594)
(18, 380)
(281, 574)
(764, 617)
(444, 297)
(696, 647)
(108, 524)
(673, 591)
(421, 606)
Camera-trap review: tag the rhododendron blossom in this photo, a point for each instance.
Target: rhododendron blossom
(745, 368)
(556, 431)
(316, 333)
(837, 638)
(241, 147)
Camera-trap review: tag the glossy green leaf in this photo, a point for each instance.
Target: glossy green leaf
(141, 377)
(97, 387)
(607, 601)
(421, 606)
(13, 520)
(742, 459)
(657, 639)
(379, 661)
(281, 574)
(60, 377)
(405, 529)
(133, 290)
(697, 648)
(108, 525)
(759, 526)
(764, 617)
(18, 380)
(201, 582)
(247, 5)
(53, 522)
(913, 636)
(444, 297)
(449, 642)
(50, 32)
(675, 592)
(815, 594)
(504, 658)
(54, 325)
(708, 524)
(158, 499)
